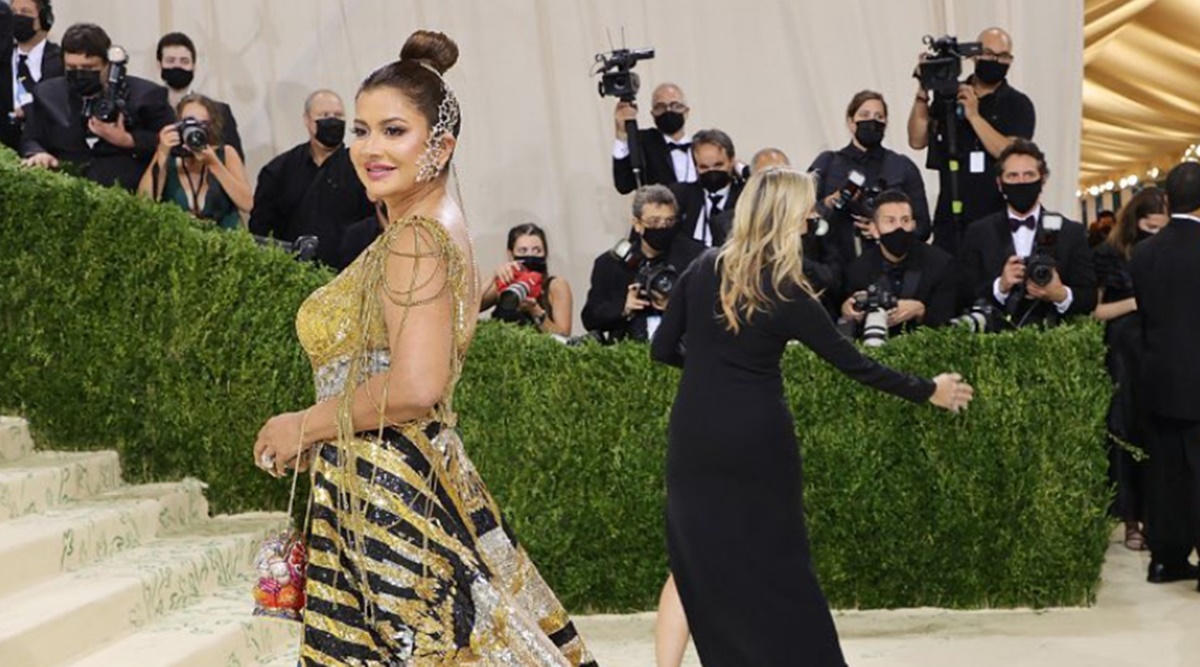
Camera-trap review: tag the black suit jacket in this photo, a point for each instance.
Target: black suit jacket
(657, 167)
(987, 246)
(928, 278)
(605, 303)
(54, 124)
(1166, 282)
(52, 66)
(690, 199)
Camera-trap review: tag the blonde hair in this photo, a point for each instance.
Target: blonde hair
(768, 224)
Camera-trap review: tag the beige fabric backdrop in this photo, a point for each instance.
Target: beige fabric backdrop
(537, 139)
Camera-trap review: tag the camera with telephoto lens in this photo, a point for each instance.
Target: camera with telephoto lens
(193, 137)
(657, 279)
(982, 317)
(875, 302)
(108, 106)
(940, 70)
(617, 78)
(525, 284)
(856, 197)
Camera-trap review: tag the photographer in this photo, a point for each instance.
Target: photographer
(33, 56)
(96, 118)
(844, 203)
(919, 276)
(191, 152)
(619, 304)
(1031, 264)
(988, 114)
(522, 289)
(666, 153)
(176, 55)
(701, 203)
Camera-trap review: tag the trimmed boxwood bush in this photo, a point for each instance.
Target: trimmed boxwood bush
(124, 325)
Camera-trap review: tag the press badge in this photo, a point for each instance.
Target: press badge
(977, 162)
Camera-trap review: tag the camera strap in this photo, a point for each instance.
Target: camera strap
(195, 188)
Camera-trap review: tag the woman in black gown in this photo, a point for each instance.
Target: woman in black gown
(1138, 220)
(735, 518)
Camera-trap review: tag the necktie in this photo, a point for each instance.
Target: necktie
(1017, 223)
(715, 200)
(680, 147)
(24, 76)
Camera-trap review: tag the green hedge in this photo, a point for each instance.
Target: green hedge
(125, 326)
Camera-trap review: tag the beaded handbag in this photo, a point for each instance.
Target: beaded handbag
(282, 561)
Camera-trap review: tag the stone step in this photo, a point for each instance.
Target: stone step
(71, 614)
(288, 658)
(37, 547)
(219, 630)
(39, 481)
(15, 442)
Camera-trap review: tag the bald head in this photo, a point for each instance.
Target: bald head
(769, 157)
(668, 92)
(322, 104)
(996, 40)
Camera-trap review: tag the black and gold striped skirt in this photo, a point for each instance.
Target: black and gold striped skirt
(411, 563)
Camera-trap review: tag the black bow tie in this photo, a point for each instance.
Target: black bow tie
(1017, 223)
(680, 147)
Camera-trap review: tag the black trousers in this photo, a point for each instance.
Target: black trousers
(1174, 513)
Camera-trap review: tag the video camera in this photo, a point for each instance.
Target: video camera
(194, 137)
(617, 78)
(108, 106)
(939, 72)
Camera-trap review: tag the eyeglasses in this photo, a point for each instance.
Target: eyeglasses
(661, 107)
(655, 223)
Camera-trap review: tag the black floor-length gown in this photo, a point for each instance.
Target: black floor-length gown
(736, 533)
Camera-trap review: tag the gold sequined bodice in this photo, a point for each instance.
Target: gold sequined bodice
(343, 320)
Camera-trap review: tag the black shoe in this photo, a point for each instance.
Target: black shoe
(1161, 573)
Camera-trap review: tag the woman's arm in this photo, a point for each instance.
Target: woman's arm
(149, 186)
(561, 304)
(1106, 312)
(232, 176)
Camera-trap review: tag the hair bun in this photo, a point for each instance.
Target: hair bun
(432, 47)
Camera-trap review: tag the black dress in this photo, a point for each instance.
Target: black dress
(736, 533)
(1124, 339)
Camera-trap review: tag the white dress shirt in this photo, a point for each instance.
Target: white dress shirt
(681, 160)
(1023, 240)
(21, 97)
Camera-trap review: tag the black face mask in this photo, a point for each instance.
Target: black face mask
(85, 82)
(177, 78)
(990, 72)
(331, 132)
(659, 238)
(714, 180)
(1022, 197)
(869, 133)
(23, 28)
(533, 263)
(898, 242)
(669, 122)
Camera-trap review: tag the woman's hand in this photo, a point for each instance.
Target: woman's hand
(168, 138)
(280, 444)
(952, 392)
(207, 156)
(505, 272)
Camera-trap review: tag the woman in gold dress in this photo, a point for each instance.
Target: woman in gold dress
(410, 561)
